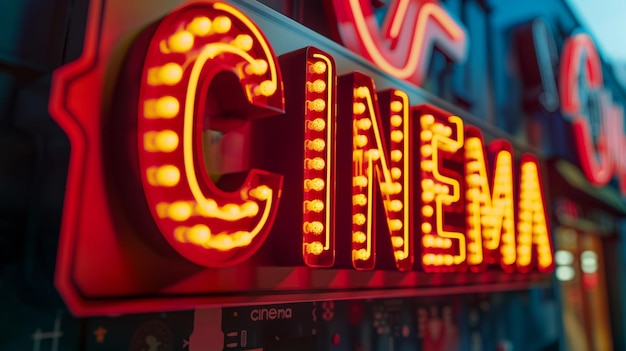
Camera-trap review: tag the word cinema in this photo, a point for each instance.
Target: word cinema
(368, 165)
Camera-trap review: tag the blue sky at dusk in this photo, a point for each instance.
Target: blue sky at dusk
(605, 20)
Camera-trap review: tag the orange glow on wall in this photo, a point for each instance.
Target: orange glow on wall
(490, 206)
(189, 50)
(533, 231)
(411, 29)
(444, 246)
(380, 159)
(318, 227)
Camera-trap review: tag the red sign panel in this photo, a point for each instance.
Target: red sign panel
(218, 172)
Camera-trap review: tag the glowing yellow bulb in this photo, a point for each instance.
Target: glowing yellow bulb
(396, 173)
(313, 227)
(315, 248)
(524, 227)
(359, 200)
(444, 189)
(168, 74)
(181, 41)
(163, 141)
(359, 237)
(164, 107)
(426, 135)
(396, 188)
(361, 254)
(179, 211)
(524, 239)
(207, 208)
(504, 158)
(427, 227)
(248, 209)
(230, 209)
(361, 92)
(395, 224)
(266, 88)
(200, 26)
(316, 163)
(437, 128)
(358, 108)
(428, 184)
(428, 259)
(359, 219)
(360, 141)
(223, 242)
(538, 217)
(428, 196)
(386, 188)
(198, 234)
(318, 124)
(257, 67)
(428, 211)
(473, 166)
(427, 120)
(397, 136)
(161, 209)
(166, 140)
(316, 184)
(373, 154)
(427, 165)
(396, 120)
(396, 155)
(316, 144)
(261, 192)
(426, 150)
(221, 24)
(428, 241)
(244, 42)
(529, 168)
(448, 260)
(318, 67)
(364, 124)
(397, 241)
(473, 144)
(359, 181)
(316, 86)
(395, 205)
(474, 180)
(314, 205)
(400, 255)
(396, 106)
(438, 260)
(167, 175)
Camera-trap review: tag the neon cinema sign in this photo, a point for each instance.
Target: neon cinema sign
(326, 167)
(584, 99)
(200, 223)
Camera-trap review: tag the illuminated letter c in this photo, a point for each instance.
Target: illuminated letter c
(581, 60)
(182, 85)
